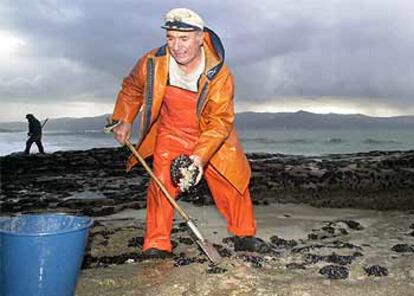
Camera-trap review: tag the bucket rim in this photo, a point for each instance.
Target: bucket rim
(13, 233)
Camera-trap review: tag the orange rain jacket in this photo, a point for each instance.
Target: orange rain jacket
(218, 143)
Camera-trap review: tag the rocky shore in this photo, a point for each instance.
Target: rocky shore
(94, 182)
(334, 224)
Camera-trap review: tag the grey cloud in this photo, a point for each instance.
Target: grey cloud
(367, 56)
(352, 49)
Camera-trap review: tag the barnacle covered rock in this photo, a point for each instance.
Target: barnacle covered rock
(184, 172)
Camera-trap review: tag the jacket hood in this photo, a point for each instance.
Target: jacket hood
(212, 40)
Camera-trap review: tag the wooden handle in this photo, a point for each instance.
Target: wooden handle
(159, 183)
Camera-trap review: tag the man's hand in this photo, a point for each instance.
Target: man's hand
(122, 132)
(199, 164)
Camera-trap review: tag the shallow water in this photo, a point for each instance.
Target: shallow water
(287, 141)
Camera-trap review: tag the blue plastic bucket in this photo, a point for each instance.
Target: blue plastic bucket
(41, 254)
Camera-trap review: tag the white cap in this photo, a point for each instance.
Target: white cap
(182, 19)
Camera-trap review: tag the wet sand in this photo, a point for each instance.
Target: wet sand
(285, 271)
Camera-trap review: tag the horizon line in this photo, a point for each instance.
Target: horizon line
(240, 112)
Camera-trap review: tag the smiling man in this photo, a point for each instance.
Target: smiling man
(185, 93)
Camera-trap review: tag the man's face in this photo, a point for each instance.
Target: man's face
(184, 46)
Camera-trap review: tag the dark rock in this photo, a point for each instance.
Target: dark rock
(334, 229)
(222, 250)
(182, 225)
(359, 180)
(76, 203)
(95, 212)
(251, 244)
(403, 248)
(104, 233)
(343, 231)
(338, 259)
(295, 266)
(333, 258)
(305, 249)
(328, 229)
(376, 270)
(228, 240)
(185, 240)
(255, 261)
(174, 244)
(176, 230)
(312, 258)
(212, 269)
(343, 245)
(334, 272)
(282, 243)
(353, 224)
(137, 241)
(182, 261)
(105, 261)
(103, 243)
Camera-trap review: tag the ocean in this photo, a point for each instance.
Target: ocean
(290, 141)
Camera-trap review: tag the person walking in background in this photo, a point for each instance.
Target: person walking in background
(186, 92)
(35, 134)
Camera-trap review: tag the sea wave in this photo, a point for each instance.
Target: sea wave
(275, 141)
(379, 142)
(72, 132)
(335, 141)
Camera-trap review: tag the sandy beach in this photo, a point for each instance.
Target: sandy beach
(286, 270)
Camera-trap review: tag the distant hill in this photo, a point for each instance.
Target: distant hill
(308, 120)
(64, 123)
(250, 120)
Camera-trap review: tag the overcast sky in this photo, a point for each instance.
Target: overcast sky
(67, 58)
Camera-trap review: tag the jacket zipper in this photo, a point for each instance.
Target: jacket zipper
(202, 99)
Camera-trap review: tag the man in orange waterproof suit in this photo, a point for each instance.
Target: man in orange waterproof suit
(185, 93)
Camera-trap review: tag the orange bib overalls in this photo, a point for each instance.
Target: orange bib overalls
(177, 134)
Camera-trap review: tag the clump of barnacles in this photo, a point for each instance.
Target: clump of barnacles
(184, 172)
